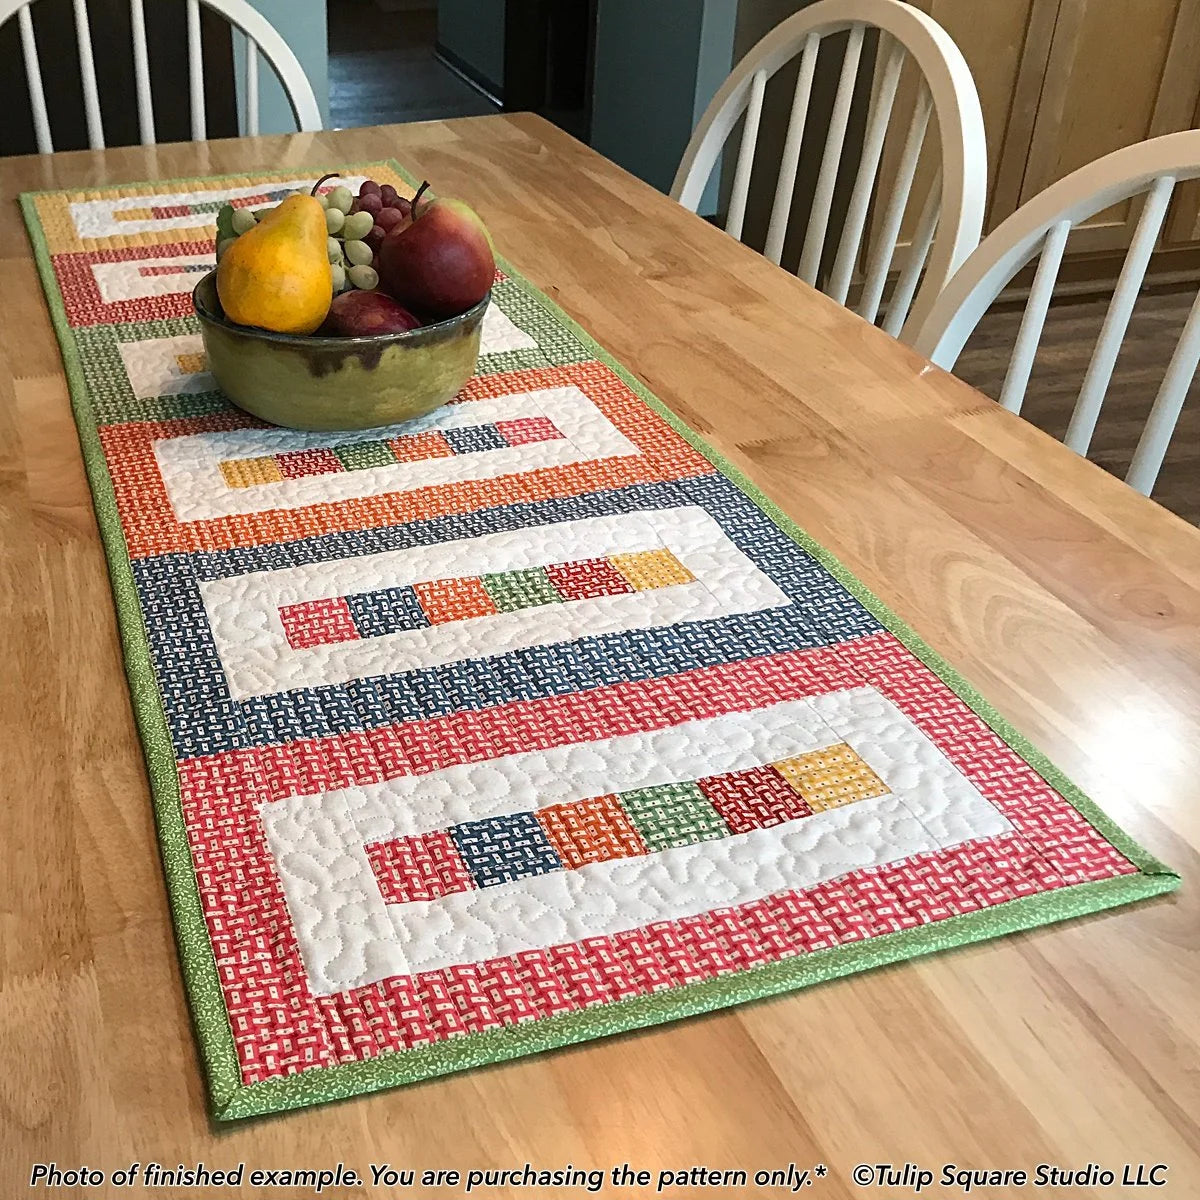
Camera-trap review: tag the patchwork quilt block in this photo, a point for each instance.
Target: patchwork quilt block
(522, 723)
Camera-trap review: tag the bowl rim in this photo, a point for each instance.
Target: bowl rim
(308, 339)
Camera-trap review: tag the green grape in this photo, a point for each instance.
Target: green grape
(335, 249)
(364, 278)
(224, 245)
(322, 199)
(225, 223)
(358, 225)
(359, 253)
(339, 276)
(243, 220)
(334, 220)
(341, 198)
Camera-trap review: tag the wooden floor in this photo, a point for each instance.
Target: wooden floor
(382, 69)
(1066, 347)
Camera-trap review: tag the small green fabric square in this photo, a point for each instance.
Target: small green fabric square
(673, 814)
(358, 456)
(511, 590)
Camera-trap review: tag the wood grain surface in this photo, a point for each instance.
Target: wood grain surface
(1071, 602)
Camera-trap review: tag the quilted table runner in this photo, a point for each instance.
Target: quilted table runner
(521, 724)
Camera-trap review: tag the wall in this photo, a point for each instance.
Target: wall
(472, 31)
(656, 68)
(302, 25)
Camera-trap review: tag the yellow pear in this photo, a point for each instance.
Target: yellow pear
(277, 275)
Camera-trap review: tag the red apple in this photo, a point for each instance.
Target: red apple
(360, 314)
(441, 263)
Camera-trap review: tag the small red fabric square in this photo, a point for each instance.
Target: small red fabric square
(298, 463)
(426, 867)
(415, 447)
(583, 580)
(753, 799)
(318, 623)
(522, 430)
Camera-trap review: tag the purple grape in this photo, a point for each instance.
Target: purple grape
(388, 217)
(370, 203)
(368, 188)
(374, 239)
(388, 195)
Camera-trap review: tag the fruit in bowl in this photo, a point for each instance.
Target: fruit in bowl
(438, 261)
(277, 275)
(361, 314)
(299, 328)
(279, 268)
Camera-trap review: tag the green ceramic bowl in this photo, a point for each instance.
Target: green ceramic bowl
(337, 382)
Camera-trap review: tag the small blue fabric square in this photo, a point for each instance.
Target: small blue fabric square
(387, 611)
(473, 438)
(502, 849)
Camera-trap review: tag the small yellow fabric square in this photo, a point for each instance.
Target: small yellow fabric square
(133, 214)
(651, 569)
(246, 472)
(192, 364)
(831, 777)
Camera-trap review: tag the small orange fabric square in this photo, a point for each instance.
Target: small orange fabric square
(651, 569)
(445, 600)
(133, 214)
(414, 447)
(590, 831)
(831, 777)
(246, 472)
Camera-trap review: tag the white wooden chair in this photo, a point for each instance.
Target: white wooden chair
(955, 204)
(1041, 226)
(261, 38)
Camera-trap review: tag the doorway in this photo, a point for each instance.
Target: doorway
(383, 68)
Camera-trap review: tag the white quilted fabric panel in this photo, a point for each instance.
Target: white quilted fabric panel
(126, 281)
(243, 610)
(341, 921)
(414, 804)
(625, 893)
(96, 219)
(197, 490)
(499, 335)
(941, 798)
(153, 369)
(931, 806)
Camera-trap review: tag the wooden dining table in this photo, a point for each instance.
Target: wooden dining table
(1070, 601)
